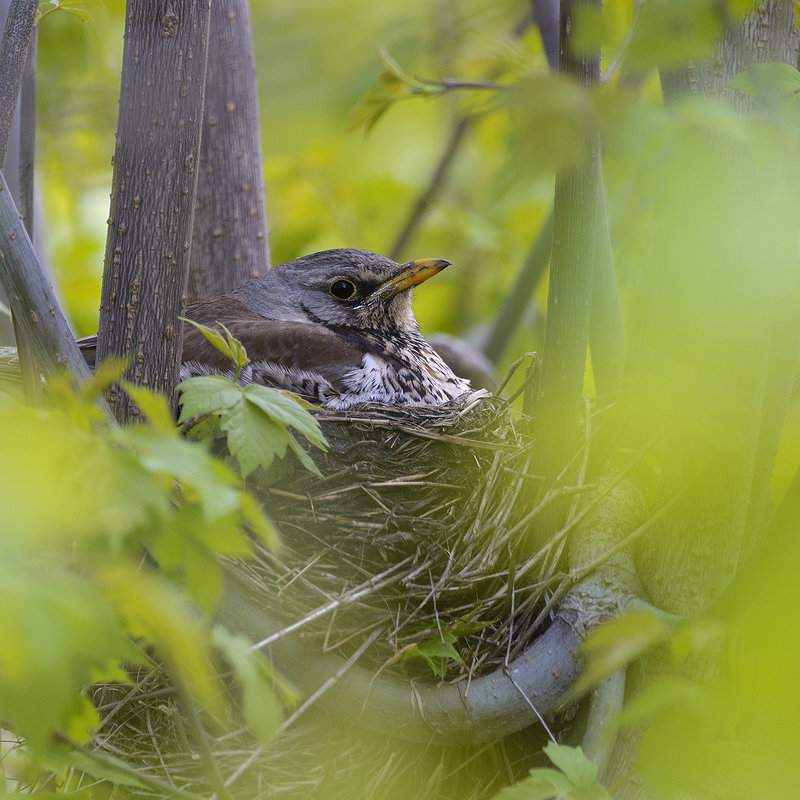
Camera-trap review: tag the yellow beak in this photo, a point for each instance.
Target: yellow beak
(411, 274)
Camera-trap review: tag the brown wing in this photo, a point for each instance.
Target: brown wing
(294, 345)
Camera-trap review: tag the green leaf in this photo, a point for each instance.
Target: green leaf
(56, 633)
(253, 437)
(155, 611)
(107, 372)
(693, 28)
(262, 695)
(257, 521)
(105, 767)
(436, 651)
(208, 394)
(228, 345)
(615, 644)
(759, 80)
(541, 784)
(287, 408)
(304, 458)
(573, 763)
(153, 405)
(202, 477)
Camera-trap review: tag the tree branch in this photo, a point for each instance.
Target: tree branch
(37, 313)
(517, 300)
(436, 181)
(16, 35)
(493, 705)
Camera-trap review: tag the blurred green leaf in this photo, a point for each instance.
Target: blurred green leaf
(575, 780)
(760, 80)
(156, 611)
(262, 696)
(616, 644)
(153, 405)
(572, 762)
(671, 33)
(57, 634)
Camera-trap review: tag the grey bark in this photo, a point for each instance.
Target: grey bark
(7, 336)
(153, 191)
(545, 14)
(40, 321)
(768, 34)
(712, 524)
(13, 48)
(231, 240)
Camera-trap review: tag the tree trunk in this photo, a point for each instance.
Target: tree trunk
(153, 191)
(231, 240)
(768, 34)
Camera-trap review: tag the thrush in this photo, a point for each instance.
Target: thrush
(335, 327)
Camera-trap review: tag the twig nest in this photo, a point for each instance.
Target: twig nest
(413, 532)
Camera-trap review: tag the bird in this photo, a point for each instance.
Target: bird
(334, 327)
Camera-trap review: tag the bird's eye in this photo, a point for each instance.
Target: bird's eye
(342, 289)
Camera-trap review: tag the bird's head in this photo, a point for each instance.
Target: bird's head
(341, 288)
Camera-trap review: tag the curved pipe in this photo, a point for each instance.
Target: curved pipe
(487, 708)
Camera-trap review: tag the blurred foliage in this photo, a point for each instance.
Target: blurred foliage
(707, 267)
(89, 512)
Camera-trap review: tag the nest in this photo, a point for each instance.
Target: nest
(415, 534)
(418, 534)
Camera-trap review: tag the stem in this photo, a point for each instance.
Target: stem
(453, 145)
(518, 298)
(606, 336)
(27, 134)
(545, 14)
(153, 193)
(566, 336)
(604, 709)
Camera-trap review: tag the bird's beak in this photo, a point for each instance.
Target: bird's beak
(411, 274)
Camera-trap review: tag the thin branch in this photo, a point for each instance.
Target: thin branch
(36, 310)
(545, 14)
(435, 183)
(31, 382)
(613, 66)
(441, 85)
(27, 134)
(519, 297)
(16, 36)
(606, 335)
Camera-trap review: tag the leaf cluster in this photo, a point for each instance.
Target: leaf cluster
(574, 779)
(256, 419)
(89, 511)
